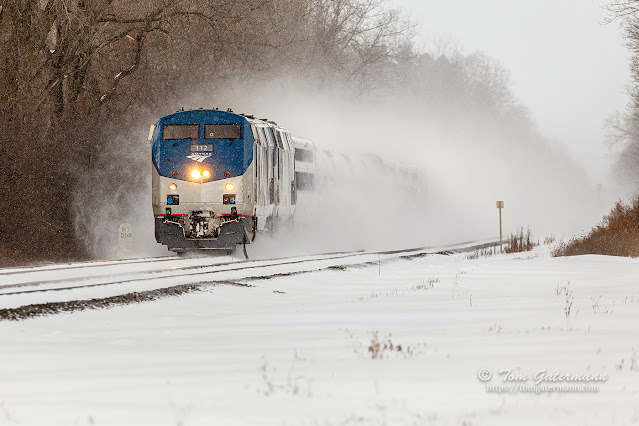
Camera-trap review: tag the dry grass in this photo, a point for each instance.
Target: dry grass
(616, 235)
(516, 243)
(425, 285)
(521, 242)
(485, 252)
(381, 348)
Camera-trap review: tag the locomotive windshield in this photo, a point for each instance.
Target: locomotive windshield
(303, 155)
(181, 131)
(223, 131)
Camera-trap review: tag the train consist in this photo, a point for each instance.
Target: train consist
(219, 178)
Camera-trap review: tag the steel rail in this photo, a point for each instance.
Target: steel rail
(214, 268)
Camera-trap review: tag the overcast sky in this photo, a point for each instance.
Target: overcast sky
(566, 67)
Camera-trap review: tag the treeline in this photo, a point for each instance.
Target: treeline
(618, 232)
(624, 127)
(75, 73)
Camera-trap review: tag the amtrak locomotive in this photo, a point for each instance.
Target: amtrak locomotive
(218, 178)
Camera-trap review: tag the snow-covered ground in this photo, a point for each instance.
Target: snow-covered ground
(309, 349)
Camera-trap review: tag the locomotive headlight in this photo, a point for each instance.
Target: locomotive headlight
(229, 186)
(173, 187)
(195, 174)
(206, 173)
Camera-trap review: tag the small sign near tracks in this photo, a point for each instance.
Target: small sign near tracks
(125, 237)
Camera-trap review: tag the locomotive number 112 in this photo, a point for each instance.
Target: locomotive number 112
(201, 147)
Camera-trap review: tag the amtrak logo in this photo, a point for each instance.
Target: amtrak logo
(199, 157)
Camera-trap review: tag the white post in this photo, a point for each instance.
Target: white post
(125, 240)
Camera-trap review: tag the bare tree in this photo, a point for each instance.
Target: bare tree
(487, 81)
(354, 38)
(622, 10)
(623, 129)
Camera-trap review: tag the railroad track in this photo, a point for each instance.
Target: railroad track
(97, 280)
(18, 270)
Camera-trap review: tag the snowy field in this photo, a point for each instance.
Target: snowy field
(345, 347)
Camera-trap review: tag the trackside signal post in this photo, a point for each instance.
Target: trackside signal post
(500, 205)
